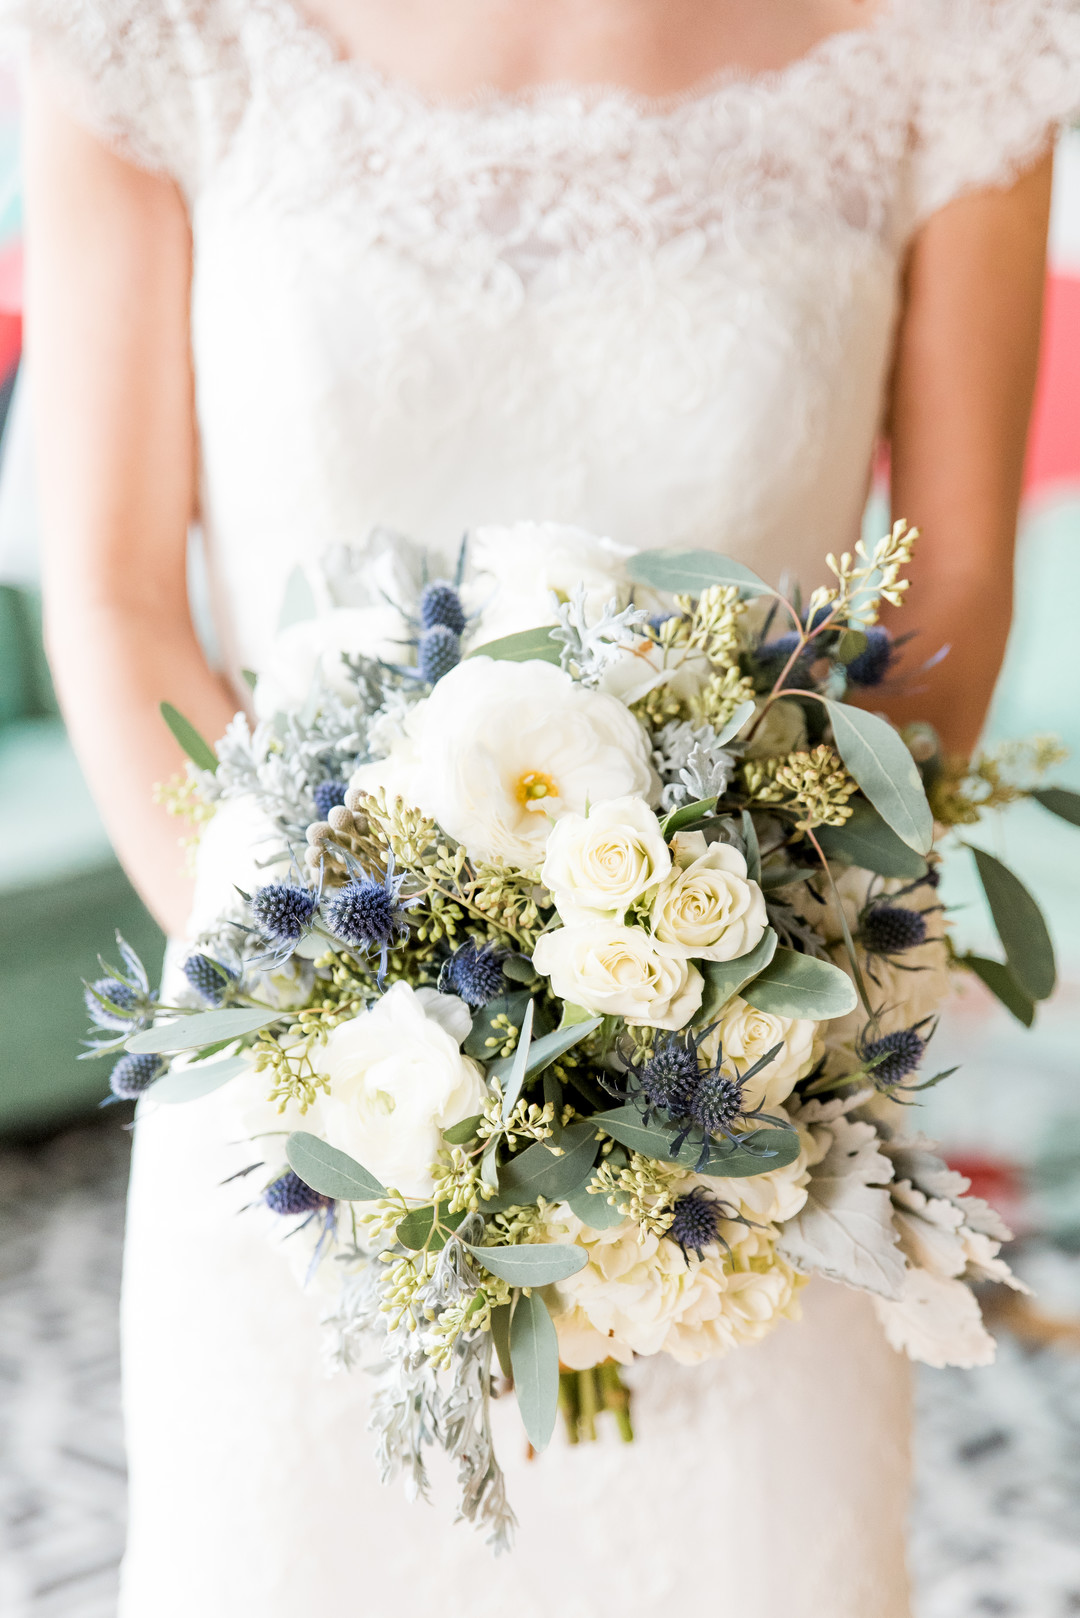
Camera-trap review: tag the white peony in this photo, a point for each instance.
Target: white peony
(500, 751)
(646, 1297)
(317, 646)
(620, 971)
(516, 569)
(708, 908)
(598, 864)
(397, 1079)
(744, 1034)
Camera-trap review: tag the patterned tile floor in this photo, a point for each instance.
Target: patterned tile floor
(995, 1521)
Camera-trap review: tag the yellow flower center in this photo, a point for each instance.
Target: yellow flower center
(533, 786)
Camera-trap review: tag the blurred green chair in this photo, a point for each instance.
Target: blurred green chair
(62, 894)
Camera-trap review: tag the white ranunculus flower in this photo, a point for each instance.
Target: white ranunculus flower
(500, 751)
(641, 664)
(316, 646)
(744, 1034)
(516, 568)
(397, 1079)
(645, 1297)
(597, 864)
(708, 908)
(620, 971)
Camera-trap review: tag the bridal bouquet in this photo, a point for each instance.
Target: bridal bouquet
(569, 949)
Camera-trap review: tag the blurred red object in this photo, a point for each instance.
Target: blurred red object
(1054, 444)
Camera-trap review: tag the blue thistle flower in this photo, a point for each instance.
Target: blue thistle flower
(440, 605)
(773, 656)
(476, 975)
(284, 910)
(209, 978)
(872, 665)
(897, 1055)
(438, 651)
(112, 1003)
(134, 1074)
(717, 1102)
(888, 929)
(670, 1077)
(369, 915)
(329, 795)
(696, 1222)
(289, 1194)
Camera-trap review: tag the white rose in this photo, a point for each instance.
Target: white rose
(620, 972)
(744, 1034)
(500, 751)
(397, 1080)
(516, 569)
(317, 646)
(598, 864)
(709, 908)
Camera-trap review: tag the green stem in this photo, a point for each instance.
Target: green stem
(588, 1404)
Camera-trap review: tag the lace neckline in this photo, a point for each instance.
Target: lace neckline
(326, 56)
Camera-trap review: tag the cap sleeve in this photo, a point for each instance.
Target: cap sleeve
(996, 79)
(160, 80)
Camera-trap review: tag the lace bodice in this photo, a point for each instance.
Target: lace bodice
(670, 321)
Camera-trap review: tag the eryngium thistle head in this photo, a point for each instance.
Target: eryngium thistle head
(474, 974)
(441, 604)
(290, 1195)
(284, 910)
(329, 795)
(872, 665)
(890, 929)
(123, 1008)
(134, 1074)
(438, 651)
(670, 1077)
(210, 980)
(717, 1101)
(696, 1221)
(364, 913)
(900, 1055)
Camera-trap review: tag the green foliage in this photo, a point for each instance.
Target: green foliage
(1020, 926)
(198, 750)
(867, 840)
(757, 1151)
(416, 1230)
(458, 1134)
(189, 1083)
(542, 1052)
(880, 762)
(532, 1264)
(1001, 983)
(201, 1030)
(330, 1172)
(692, 572)
(725, 979)
(534, 1357)
(529, 646)
(595, 1210)
(794, 985)
(1060, 802)
(691, 814)
(537, 1172)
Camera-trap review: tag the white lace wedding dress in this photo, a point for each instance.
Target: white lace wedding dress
(667, 322)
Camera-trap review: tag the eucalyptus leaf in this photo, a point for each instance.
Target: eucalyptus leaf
(739, 717)
(724, 979)
(515, 1078)
(458, 1134)
(519, 969)
(689, 815)
(1020, 926)
(542, 1052)
(794, 985)
(189, 1083)
(595, 1210)
(330, 1172)
(867, 841)
(1060, 802)
(415, 1228)
(529, 646)
(500, 1336)
(726, 1159)
(534, 1358)
(196, 747)
(532, 1264)
(573, 1016)
(489, 1164)
(692, 572)
(297, 601)
(880, 762)
(204, 1028)
(850, 644)
(753, 849)
(512, 1007)
(1001, 983)
(537, 1172)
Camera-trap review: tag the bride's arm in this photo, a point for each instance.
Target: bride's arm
(965, 371)
(108, 273)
